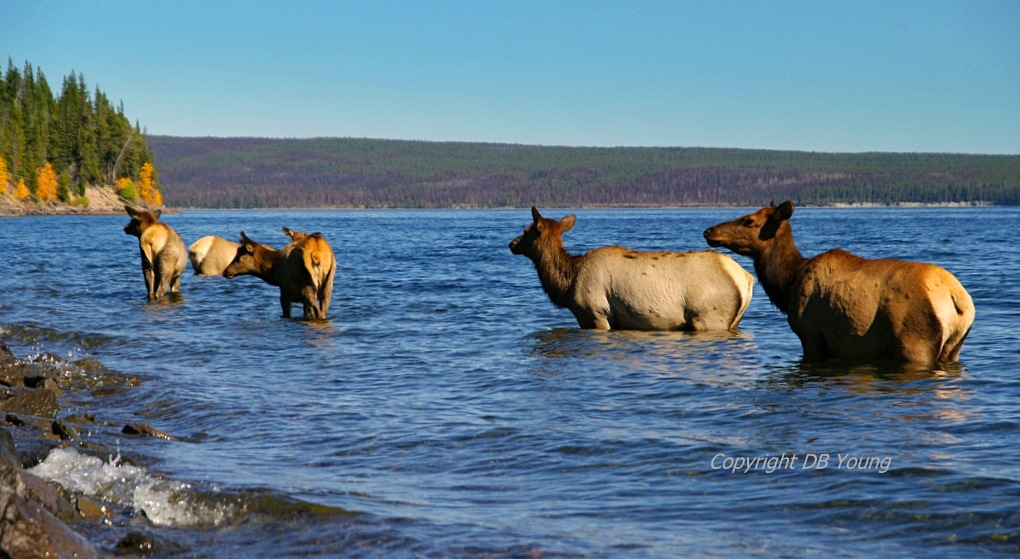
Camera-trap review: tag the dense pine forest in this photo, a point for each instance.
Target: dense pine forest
(52, 146)
(347, 172)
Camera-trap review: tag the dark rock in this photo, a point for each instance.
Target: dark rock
(19, 373)
(90, 509)
(38, 402)
(147, 430)
(29, 511)
(28, 531)
(8, 452)
(137, 543)
(6, 356)
(64, 431)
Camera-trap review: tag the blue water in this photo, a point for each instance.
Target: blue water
(447, 409)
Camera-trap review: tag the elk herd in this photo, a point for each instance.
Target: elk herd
(838, 304)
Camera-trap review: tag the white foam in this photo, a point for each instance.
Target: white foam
(164, 502)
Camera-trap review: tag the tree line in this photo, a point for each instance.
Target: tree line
(353, 172)
(53, 145)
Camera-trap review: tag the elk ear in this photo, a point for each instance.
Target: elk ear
(156, 214)
(131, 211)
(288, 232)
(567, 223)
(784, 211)
(535, 216)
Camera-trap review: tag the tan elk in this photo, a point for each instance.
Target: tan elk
(164, 257)
(842, 305)
(303, 270)
(622, 289)
(210, 255)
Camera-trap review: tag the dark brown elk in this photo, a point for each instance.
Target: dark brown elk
(842, 305)
(617, 288)
(210, 255)
(303, 270)
(164, 257)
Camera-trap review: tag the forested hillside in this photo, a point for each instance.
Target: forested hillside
(54, 146)
(346, 172)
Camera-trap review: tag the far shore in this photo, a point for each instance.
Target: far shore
(9, 208)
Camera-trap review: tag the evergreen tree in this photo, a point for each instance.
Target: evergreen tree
(81, 135)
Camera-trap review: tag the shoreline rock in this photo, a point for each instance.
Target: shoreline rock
(102, 200)
(37, 516)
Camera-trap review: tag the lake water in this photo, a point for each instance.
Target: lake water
(447, 409)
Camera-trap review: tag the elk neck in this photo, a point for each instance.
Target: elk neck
(778, 266)
(557, 270)
(265, 267)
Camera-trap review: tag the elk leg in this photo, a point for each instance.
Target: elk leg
(285, 303)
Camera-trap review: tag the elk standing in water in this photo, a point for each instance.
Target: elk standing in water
(164, 257)
(842, 305)
(623, 289)
(211, 255)
(303, 270)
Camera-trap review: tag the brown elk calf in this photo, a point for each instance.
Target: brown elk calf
(842, 305)
(303, 270)
(210, 255)
(164, 257)
(617, 288)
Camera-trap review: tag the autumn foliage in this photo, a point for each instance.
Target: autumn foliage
(148, 188)
(21, 191)
(4, 176)
(46, 183)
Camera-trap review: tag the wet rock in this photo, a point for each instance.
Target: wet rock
(8, 452)
(27, 530)
(6, 356)
(147, 430)
(92, 366)
(64, 431)
(38, 402)
(29, 513)
(90, 509)
(137, 543)
(17, 373)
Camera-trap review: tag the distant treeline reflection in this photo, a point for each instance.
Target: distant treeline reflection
(351, 172)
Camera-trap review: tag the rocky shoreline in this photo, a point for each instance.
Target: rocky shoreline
(38, 518)
(101, 201)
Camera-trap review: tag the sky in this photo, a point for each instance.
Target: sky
(827, 76)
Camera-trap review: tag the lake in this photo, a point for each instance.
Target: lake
(448, 409)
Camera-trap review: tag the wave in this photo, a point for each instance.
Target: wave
(165, 502)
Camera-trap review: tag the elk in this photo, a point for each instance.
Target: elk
(303, 270)
(622, 289)
(210, 255)
(842, 305)
(164, 257)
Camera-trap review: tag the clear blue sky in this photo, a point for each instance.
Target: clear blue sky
(844, 76)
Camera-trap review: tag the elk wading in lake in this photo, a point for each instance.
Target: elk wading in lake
(211, 255)
(623, 289)
(842, 305)
(164, 257)
(303, 270)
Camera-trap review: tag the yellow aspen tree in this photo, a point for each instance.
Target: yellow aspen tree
(147, 184)
(4, 176)
(46, 178)
(127, 189)
(21, 191)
